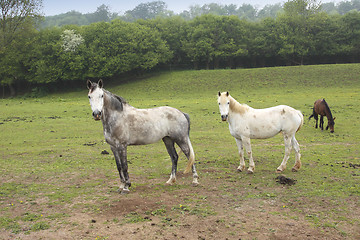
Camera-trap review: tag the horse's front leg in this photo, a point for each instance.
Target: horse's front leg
(124, 166)
(120, 154)
(118, 165)
(239, 144)
(247, 145)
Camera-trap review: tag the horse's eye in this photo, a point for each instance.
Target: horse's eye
(228, 103)
(89, 97)
(219, 104)
(102, 96)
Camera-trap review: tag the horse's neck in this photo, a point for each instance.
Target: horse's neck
(236, 107)
(112, 105)
(328, 112)
(329, 115)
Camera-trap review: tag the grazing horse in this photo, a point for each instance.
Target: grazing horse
(125, 125)
(322, 108)
(246, 123)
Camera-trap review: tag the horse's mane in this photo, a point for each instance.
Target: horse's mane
(328, 109)
(237, 107)
(116, 101)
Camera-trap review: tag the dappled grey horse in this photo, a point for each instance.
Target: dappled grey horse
(125, 125)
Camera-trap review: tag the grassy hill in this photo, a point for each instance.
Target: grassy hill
(54, 176)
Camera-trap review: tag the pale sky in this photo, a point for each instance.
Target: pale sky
(54, 7)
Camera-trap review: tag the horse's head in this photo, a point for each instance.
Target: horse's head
(331, 123)
(224, 104)
(96, 98)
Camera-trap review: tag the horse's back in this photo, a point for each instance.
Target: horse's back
(292, 119)
(266, 122)
(156, 123)
(285, 118)
(320, 107)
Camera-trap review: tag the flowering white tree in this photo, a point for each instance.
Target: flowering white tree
(71, 40)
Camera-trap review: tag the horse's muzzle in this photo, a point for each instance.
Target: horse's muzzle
(224, 117)
(97, 115)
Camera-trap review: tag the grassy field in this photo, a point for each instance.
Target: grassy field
(56, 184)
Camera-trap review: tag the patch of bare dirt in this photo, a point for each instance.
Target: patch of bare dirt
(217, 209)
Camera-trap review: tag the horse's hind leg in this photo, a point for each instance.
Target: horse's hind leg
(287, 142)
(187, 149)
(169, 143)
(316, 119)
(195, 175)
(296, 147)
(322, 122)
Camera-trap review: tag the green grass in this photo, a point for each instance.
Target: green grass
(50, 147)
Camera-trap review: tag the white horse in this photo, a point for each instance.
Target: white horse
(246, 123)
(125, 125)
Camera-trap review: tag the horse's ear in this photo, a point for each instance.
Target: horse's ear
(334, 118)
(227, 94)
(89, 84)
(219, 93)
(100, 83)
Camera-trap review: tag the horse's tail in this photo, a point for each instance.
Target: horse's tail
(302, 120)
(191, 160)
(313, 113)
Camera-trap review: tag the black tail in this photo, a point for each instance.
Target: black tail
(188, 119)
(312, 115)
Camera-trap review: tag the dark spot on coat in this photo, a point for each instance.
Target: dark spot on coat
(170, 117)
(131, 119)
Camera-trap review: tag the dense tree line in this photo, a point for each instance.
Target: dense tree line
(151, 10)
(302, 34)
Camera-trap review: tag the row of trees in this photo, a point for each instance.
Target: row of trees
(301, 35)
(151, 10)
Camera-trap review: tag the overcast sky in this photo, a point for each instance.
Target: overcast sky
(54, 7)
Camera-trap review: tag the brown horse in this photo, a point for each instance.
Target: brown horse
(322, 108)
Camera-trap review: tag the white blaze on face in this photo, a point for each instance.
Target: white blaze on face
(224, 105)
(96, 99)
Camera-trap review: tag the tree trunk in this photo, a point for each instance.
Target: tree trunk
(12, 90)
(216, 63)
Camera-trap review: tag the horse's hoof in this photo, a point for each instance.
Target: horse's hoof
(250, 171)
(294, 170)
(241, 169)
(195, 184)
(125, 191)
(279, 171)
(171, 181)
